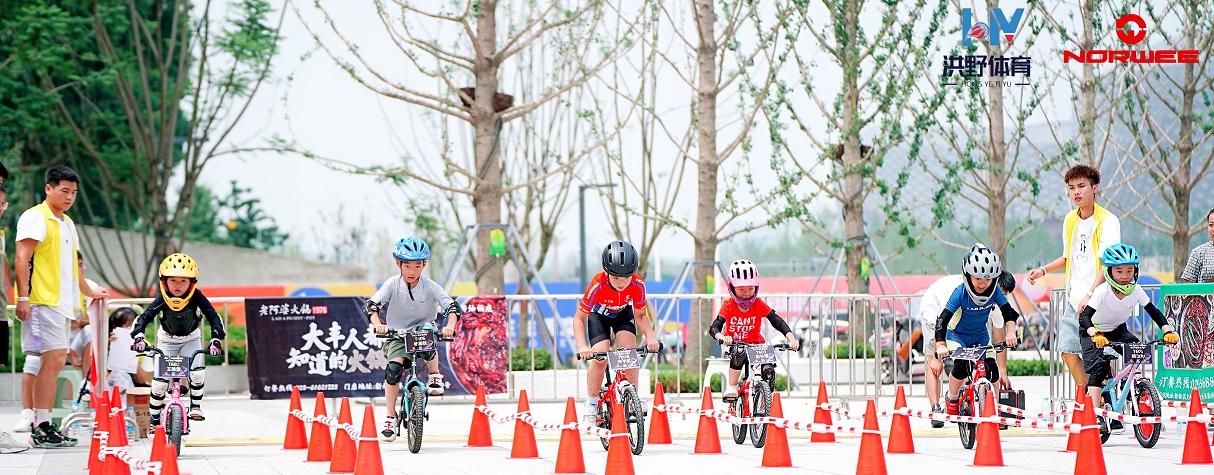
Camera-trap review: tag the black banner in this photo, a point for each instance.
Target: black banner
(326, 344)
(316, 343)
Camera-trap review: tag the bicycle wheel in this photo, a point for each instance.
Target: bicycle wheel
(417, 416)
(173, 427)
(740, 410)
(605, 419)
(1146, 405)
(966, 429)
(634, 414)
(1105, 425)
(760, 406)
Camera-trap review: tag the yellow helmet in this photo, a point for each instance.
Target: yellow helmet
(177, 265)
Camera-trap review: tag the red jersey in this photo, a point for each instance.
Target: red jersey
(603, 299)
(744, 326)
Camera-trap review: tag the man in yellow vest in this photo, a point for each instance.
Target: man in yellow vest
(1087, 231)
(49, 285)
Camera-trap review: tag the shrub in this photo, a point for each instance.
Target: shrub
(520, 359)
(690, 383)
(1031, 367)
(850, 350)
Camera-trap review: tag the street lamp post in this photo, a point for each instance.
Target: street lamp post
(581, 199)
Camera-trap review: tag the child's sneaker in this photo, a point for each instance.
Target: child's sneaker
(389, 432)
(436, 386)
(952, 406)
(196, 414)
(153, 423)
(9, 445)
(45, 436)
(731, 392)
(591, 416)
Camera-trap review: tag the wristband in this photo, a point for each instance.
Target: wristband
(1043, 271)
(23, 299)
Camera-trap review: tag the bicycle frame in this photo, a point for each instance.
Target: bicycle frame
(1128, 392)
(175, 391)
(612, 392)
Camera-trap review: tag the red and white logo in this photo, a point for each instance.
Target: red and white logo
(1131, 30)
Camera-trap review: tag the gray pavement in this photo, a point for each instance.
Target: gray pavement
(245, 436)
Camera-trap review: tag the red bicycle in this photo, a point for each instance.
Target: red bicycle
(619, 389)
(754, 394)
(973, 392)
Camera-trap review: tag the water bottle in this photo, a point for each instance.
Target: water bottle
(1046, 408)
(1181, 425)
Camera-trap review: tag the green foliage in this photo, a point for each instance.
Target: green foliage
(247, 223)
(690, 383)
(521, 359)
(849, 350)
(1032, 367)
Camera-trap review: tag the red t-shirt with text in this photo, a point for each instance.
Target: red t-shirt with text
(744, 326)
(603, 299)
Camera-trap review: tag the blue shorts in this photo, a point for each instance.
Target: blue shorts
(1068, 331)
(975, 339)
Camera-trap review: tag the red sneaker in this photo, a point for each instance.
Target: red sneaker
(951, 406)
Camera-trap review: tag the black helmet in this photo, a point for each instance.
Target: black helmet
(620, 259)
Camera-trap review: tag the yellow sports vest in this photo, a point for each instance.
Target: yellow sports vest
(1071, 223)
(44, 272)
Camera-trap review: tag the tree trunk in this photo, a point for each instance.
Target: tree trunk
(705, 238)
(1087, 92)
(487, 197)
(853, 158)
(1182, 186)
(997, 175)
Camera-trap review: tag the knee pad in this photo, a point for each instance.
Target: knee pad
(197, 378)
(392, 373)
(992, 370)
(159, 388)
(962, 370)
(1098, 375)
(737, 359)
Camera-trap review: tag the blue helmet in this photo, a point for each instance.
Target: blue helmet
(411, 249)
(1117, 255)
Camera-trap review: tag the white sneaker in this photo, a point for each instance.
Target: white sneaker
(389, 432)
(26, 423)
(436, 387)
(731, 392)
(196, 414)
(9, 445)
(591, 414)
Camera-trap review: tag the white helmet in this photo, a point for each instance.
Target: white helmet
(743, 273)
(983, 263)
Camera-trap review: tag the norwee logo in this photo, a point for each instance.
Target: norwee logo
(1131, 37)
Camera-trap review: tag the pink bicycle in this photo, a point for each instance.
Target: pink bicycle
(175, 369)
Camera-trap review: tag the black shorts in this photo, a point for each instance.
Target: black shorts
(1094, 362)
(601, 328)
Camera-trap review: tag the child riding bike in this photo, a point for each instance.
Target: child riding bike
(181, 307)
(614, 303)
(411, 300)
(739, 319)
(975, 298)
(1109, 307)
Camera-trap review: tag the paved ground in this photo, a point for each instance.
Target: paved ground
(244, 436)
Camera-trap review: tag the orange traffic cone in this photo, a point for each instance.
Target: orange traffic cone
(872, 460)
(524, 435)
(989, 452)
(94, 386)
(900, 440)
(619, 451)
(369, 460)
(297, 433)
(775, 450)
(708, 441)
(822, 416)
(1072, 439)
(158, 443)
(117, 440)
(168, 466)
(478, 435)
(344, 450)
(569, 455)
(1196, 446)
(101, 425)
(1090, 460)
(116, 401)
(659, 421)
(320, 446)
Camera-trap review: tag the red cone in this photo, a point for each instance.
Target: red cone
(900, 440)
(320, 447)
(872, 460)
(101, 425)
(344, 449)
(479, 435)
(1196, 445)
(523, 446)
(822, 416)
(659, 421)
(158, 442)
(619, 451)
(1090, 460)
(708, 441)
(297, 433)
(1072, 439)
(775, 449)
(370, 462)
(988, 451)
(569, 455)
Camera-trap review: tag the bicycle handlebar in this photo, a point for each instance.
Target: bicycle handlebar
(393, 333)
(776, 346)
(602, 355)
(998, 347)
(154, 350)
(1149, 343)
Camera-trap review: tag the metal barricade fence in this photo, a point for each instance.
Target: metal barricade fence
(232, 383)
(1062, 384)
